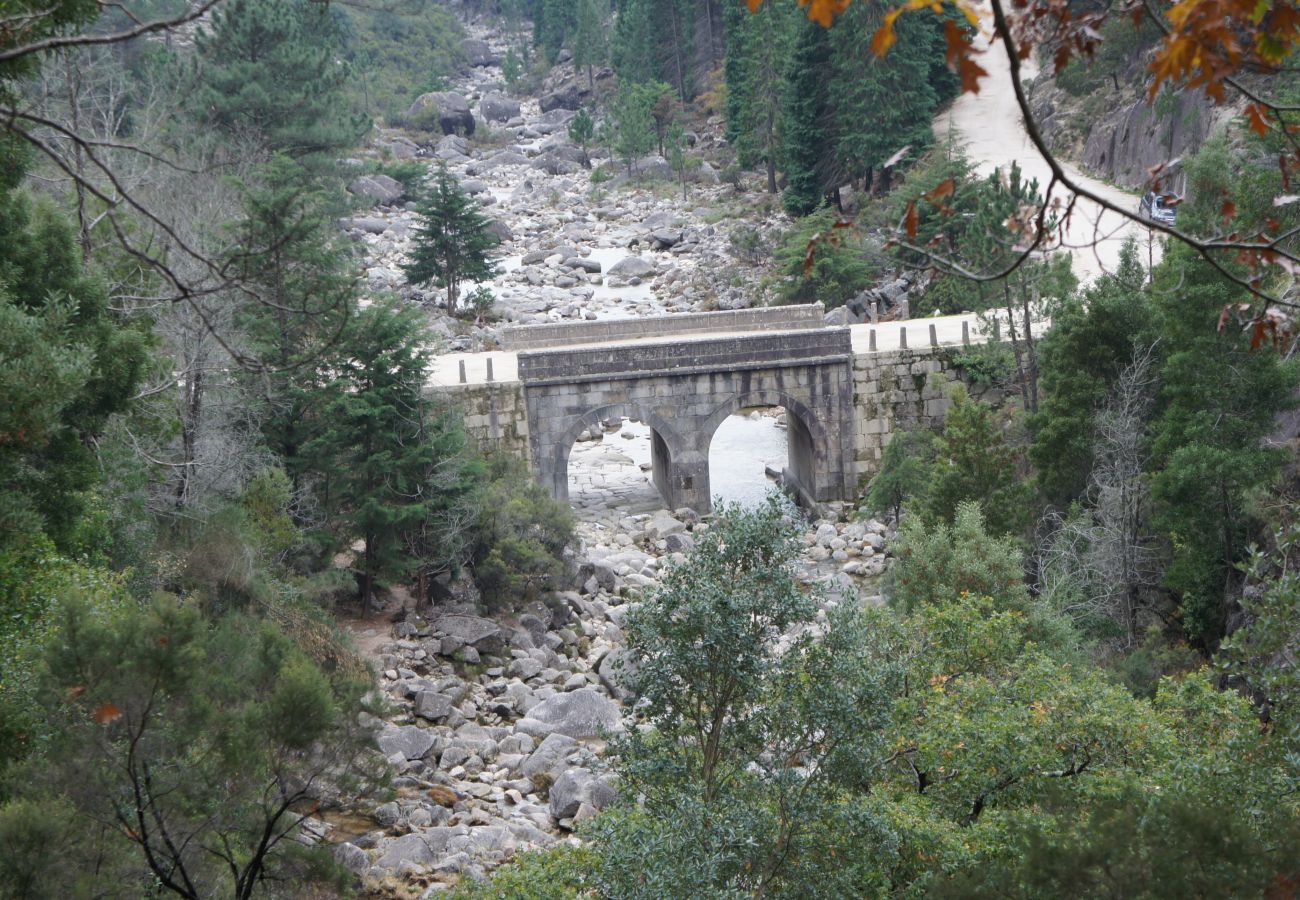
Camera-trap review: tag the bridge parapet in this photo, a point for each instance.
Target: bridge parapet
(766, 318)
(686, 356)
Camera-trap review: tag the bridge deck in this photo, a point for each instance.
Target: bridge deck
(505, 363)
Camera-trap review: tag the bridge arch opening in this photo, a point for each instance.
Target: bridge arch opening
(615, 457)
(741, 453)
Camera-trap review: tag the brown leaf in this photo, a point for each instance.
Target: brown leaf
(943, 189)
(910, 221)
(1255, 118)
(75, 691)
(106, 714)
(1228, 211)
(970, 73)
(753, 5)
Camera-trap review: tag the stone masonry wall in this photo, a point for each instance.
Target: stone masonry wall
(494, 414)
(902, 390)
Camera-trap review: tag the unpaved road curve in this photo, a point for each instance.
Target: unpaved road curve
(989, 126)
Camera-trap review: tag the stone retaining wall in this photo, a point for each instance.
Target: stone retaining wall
(494, 414)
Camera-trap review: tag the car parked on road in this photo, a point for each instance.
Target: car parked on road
(1156, 207)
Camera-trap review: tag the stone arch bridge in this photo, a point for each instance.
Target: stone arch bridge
(844, 391)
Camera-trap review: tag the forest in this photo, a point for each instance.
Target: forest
(284, 611)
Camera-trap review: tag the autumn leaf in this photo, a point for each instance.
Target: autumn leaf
(911, 220)
(753, 5)
(1255, 117)
(75, 691)
(943, 189)
(884, 38)
(1228, 211)
(823, 12)
(970, 73)
(107, 714)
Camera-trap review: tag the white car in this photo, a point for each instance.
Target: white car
(1160, 208)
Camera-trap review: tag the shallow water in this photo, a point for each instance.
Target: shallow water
(613, 473)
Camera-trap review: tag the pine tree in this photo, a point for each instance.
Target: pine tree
(633, 113)
(291, 254)
(590, 38)
(269, 71)
(653, 41)
(374, 438)
(554, 22)
(451, 241)
(807, 121)
(759, 47)
(581, 131)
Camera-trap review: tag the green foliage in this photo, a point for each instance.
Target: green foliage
(974, 461)
(935, 565)
(268, 71)
(561, 873)
(451, 241)
(1218, 400)
(398, 50)
(67, 364)
(806, 114)
(905, 471)
(291, 254)
(380, 442)
(839, 270)
(590, 37)
(654, 41)
(554, 22)
(194, 741)
(1092, 339)
(582, 130)
(634, 119)
(756, 68)
(520, 537)
(511, 68)
(1118, 53)
(737, 788)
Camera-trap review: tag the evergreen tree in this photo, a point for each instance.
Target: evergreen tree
(807, 121)
(554, 23)
(634, 120)
(975, 462)
(292, 256)
(1217, 403)
(375, 437)
(581, 131)
(590, 38)
(269, 71)
(451, 242)
(654, 41)
(67, 364)
(1091, 341)
(757, 66)
(882, 104)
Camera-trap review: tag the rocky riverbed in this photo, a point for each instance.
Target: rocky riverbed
(497, 726)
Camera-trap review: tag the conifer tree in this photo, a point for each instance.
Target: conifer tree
(590, 40)
(375, 435)
(269, 70)
(807, 121)
(758, 57)
(451, 241)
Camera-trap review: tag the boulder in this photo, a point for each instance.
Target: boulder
(409, 740)
(497, 107)
(680, 543)
(478, 53)
(379, 188)
(661, 525)
(591, 266)
(577, 787)
(481, 634)
(500, 230)
(450, 110)
(549, 757)
(632, 267)
(351, 857)
(432, 706)
(565, 96)
(580, 714)
(617, 669)
(665, 238)
(368, 224)
(554, 164)
(422, 848)
(653, 167)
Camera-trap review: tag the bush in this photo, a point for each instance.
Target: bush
(838, 269)
(520, 537)
(939, 563)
